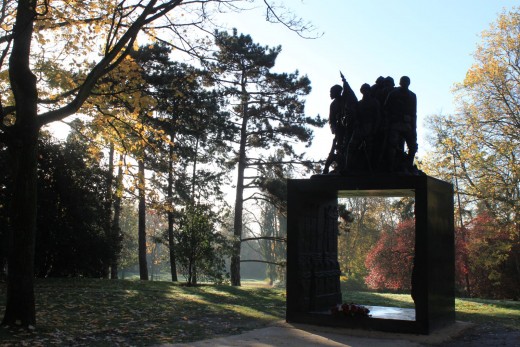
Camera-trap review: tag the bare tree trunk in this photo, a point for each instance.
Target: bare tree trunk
(194, 173)
(23, 151)
(171, 241)
(462, 228)
(190, 269)
(143, 266)
(171, 245)
(3, 267)
(20, 305)
(108, 208)
(239, 204)
(116, 229)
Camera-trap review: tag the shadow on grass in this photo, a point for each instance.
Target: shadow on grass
(268, 301)
(118, 312)
(503, 320)
(77, 312)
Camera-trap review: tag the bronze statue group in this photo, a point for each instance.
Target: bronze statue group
(370, 134)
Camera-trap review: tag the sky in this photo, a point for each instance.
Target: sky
(431, 41)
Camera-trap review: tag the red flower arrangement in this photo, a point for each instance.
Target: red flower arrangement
(350, 310)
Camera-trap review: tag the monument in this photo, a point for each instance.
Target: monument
(368, 158)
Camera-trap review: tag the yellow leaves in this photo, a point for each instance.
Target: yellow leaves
(95, 152)
(9, 120)
(489, 92)
(147, 102)
(499, 47)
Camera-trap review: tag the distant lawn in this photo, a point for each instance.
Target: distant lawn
(122, 312)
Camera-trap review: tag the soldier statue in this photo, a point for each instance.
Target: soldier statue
(341, 113)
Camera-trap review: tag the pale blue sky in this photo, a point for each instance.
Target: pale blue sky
(431, 41)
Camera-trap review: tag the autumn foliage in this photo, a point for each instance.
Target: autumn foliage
(390, 261)
(478, 149)
(485, 258)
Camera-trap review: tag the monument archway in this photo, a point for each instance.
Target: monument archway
(313, 275)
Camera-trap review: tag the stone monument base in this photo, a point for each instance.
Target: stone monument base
(313, 286)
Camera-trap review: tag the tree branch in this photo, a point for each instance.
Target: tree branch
(263, 261)
(271, 238)
(120, 50)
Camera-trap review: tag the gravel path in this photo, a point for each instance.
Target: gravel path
(288, 335)
(486, 335)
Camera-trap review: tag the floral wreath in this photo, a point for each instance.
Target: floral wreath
(350, 310)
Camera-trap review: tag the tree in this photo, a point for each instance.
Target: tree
(129, 228)
(88, 134)
(21, 120)
(480, 145)
(273, 234)
(61, 35)
(359, 229)
(199, 247)
(71, 200)
(155, 221)
(141, 183)
(4, 185)
(268, 110)
(116, 235)
(271, 199)
(189, 162)
(484, 257)
(390, 261)
(71, 240)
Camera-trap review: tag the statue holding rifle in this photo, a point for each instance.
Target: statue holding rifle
(369, 136)
(341, 113)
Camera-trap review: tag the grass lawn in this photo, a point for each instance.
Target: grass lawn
(121, 312)
(107, 312)
(500, 312)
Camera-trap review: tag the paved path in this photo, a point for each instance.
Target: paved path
(300, 335)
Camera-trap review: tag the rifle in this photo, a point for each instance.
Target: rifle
(331, 157)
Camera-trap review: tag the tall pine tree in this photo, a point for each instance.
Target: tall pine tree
(267, 108)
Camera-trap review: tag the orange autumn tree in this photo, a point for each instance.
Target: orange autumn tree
(487, 249)
(390, 261)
